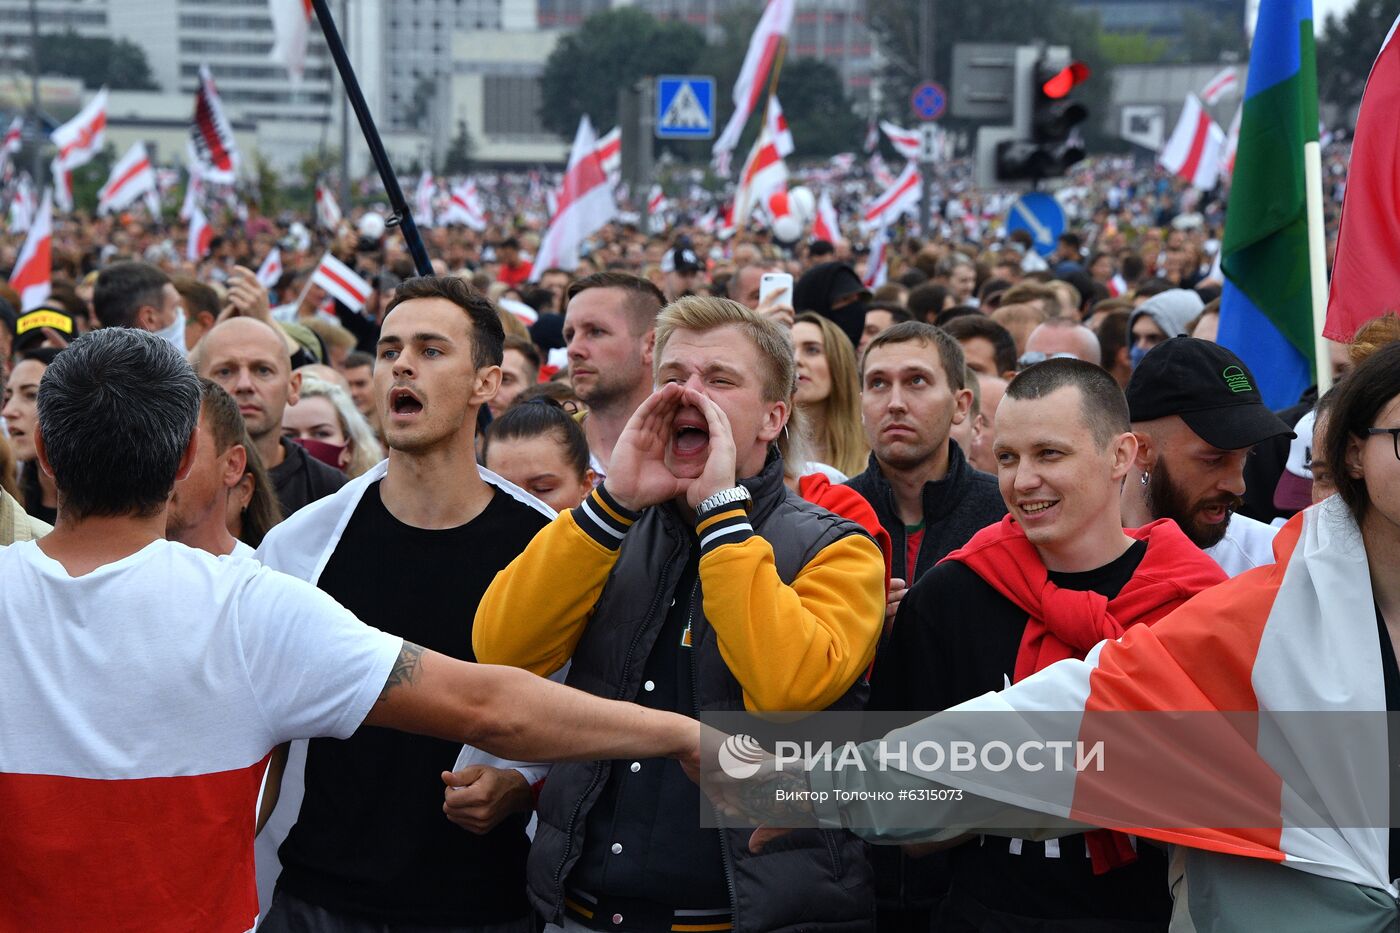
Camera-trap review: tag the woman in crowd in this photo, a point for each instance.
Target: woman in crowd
(828, 395)
(540, 448)
(21, 414)
(325, 421)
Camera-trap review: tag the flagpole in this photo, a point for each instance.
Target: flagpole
(401, 214)
(1317, 260)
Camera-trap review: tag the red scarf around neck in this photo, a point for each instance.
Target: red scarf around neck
(1065, 623)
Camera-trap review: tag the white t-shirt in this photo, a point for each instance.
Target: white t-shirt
(242, 550)
(1247, 544)
(138, 706)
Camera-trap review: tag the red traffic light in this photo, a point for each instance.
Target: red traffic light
(1065, 80)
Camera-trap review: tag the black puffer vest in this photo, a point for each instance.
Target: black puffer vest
(807, 880)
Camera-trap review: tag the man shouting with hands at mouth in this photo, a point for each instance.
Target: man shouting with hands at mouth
(691, 580)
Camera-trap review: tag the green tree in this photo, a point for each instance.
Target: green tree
(269, 184)
(97, 60)
(817, 109)
(458, 158)
(610, 51)
(1347, 48)
(1132, 48)
(1208, 39)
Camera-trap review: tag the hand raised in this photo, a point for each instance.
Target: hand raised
(638, 476)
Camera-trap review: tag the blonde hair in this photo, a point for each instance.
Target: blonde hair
(698, 313)
(845, 438)
(365, 451)
(333, 334)
(512, 325)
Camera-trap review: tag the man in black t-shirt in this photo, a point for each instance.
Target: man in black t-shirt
(410, 548)
(990, 614)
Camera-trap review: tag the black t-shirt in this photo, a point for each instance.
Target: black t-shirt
(371, 838)
(956, 638)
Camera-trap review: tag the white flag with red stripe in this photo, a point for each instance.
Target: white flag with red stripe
(827, 225)
(291, 25)
(82, 137)
(62, 186)
(465, 207)
(905, 142)
(23, 204)
(423, 200)
(764, 172)
(200, 238)
(14, 139)
(194, 193)
(327, 210)
(271, 269)
(872, 135)
(879, 171)
(877, 265)
(656, 200)
(778, 128)
(899, 198)
(33, 270)
(1220, 86)
(1193, 152)
(749, 87)
(211, 144)
(586, 204)
(132, 176)
(609, 151)
(341, 282)
(1117, 286)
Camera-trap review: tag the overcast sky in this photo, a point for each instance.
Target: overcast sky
(1323, 7)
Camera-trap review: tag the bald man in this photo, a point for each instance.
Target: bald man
(1061, 336)
(249, 359)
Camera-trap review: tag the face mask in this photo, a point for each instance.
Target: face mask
(329, 454)
(1136, 354)
(175, 333)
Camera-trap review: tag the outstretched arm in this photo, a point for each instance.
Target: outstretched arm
(514, 714)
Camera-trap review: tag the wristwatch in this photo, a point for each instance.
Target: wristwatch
(723, 499)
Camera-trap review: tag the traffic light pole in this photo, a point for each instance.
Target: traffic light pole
(926, 164)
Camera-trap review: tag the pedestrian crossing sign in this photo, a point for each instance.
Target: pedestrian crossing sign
(685, 107)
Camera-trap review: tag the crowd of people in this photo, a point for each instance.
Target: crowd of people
(646, 478)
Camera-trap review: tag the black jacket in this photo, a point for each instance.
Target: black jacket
(955, 508)
(817, 880)
(301, 479)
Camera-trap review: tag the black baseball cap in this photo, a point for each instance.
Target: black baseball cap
(682, 259)
(1209, 387)
(29, 327)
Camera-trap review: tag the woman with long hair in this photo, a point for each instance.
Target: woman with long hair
(21, 414)
(326, 422)
(828, 394)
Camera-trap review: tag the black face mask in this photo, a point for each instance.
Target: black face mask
(851, 320)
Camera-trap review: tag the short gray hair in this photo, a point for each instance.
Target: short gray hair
(116, 411)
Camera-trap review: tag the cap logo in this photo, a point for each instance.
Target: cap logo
(1237, 379)
(44, 317)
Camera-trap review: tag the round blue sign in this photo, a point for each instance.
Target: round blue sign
(929, 100)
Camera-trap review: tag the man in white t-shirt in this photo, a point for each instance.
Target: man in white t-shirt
(199, 503)
(144, 683)
(1197, 415)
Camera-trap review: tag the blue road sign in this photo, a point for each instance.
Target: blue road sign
(1040, 214)
(685, 107)
(929, 100)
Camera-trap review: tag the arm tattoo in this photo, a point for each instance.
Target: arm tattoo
(405, 669)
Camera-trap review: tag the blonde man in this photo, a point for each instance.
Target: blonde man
(695, 580)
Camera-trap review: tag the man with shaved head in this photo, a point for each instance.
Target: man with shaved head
(249, 359)
(1061, 336)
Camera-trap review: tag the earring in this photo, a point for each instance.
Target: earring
(1145, 478)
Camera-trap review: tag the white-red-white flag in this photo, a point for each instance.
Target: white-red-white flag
(194, 194)
(879, 171)
(586, 204)
(200, 238)
(778, 128)
(341, 282)
(1117, 285)
(905, 142)
(465, 207)
(327, 210)
(291, 25)
(271, 269)
(1220, 86)
(609, 151)
(132, 176)
(14, 139)
(423, 200)
(872, 135)
(62, 186)
(82, 137)
(877, 264)
(211, 144)
(1232, 142)
(33, 270)
(656, 200)
(827, 225)
(767, 38)
(1194, 149)
(23, 204)
(902, 196)
(708, 222)
(764, 172)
